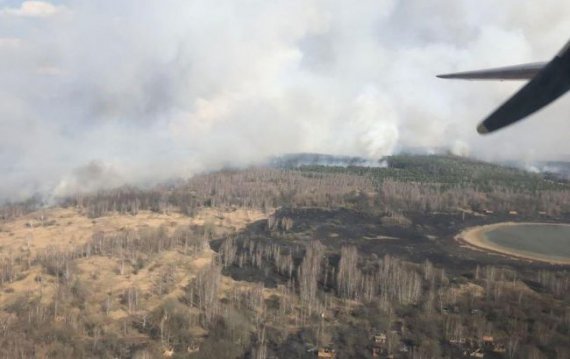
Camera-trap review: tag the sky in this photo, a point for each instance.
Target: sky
(99, 93)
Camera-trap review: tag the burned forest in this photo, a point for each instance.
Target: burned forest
(287, 260)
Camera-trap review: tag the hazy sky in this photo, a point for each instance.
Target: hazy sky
(100, 92)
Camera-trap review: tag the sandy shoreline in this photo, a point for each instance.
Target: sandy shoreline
(475, 237)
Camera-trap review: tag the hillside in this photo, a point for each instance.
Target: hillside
(284, 262)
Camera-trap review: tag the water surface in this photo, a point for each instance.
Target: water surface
(548, 241)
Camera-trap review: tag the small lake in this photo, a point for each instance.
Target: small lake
(545, 241)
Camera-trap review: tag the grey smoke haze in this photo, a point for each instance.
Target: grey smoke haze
(154, 89)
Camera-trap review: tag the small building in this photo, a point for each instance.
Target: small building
(478, 353)
(499, 348)
(326, 353)
(458, 341)
(379, 345)
(193, 348)
(380, 339)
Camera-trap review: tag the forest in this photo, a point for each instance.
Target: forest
(286, 261)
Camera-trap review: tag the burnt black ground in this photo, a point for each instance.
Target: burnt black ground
(428, 237)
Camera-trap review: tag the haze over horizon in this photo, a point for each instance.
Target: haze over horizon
(96, 94)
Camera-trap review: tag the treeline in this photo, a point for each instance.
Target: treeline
(413, 197)
(409, 183)
(12, 210)
(260, 188)
(367, 189)
(453, 170)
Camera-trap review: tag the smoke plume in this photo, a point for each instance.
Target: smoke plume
(155, 89)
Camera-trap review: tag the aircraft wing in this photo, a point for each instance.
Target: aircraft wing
(549, 84)
(518, 72)
(548, 81)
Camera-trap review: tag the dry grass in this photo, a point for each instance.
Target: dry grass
(466, 289)
(64, 228)
(100, 276)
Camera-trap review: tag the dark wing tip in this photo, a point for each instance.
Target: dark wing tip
(548, 85)
(481, 129)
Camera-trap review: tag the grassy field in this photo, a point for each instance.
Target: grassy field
(100, 283)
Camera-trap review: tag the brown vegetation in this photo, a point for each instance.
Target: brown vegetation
(278, 263)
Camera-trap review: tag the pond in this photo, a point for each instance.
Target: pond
(538, 241)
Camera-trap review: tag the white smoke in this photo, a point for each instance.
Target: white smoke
(156, 89)
(459, 148)
(89, 178)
